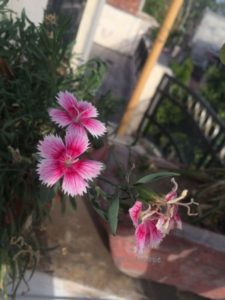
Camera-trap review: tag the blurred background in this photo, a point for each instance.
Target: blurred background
(155, 70)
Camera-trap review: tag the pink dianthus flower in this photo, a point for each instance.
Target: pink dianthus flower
(154, 223)
(146, 233)
(78, 116)
(61, 161)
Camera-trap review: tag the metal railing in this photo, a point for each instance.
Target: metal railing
(183, 126)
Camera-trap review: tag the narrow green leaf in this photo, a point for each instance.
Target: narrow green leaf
(73, 202)
(113, 212)
(146, 195)
(46, 194)
(96, 202)
(64, 198)
(155, 176)
(56, 187)
(222, 54)
(100, 212)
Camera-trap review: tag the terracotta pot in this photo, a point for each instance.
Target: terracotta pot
(192, 259)
(123, 251)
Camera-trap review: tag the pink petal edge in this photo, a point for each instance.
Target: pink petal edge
(95, 127)
(88, 169)
(74, 185)
(51, 146)
(76, 144)
(49, 172)
(59, 117)
(66, 100)
(87, 110)
(135, 212)
(141, 236)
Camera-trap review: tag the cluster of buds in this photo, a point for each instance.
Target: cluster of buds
(154, 223)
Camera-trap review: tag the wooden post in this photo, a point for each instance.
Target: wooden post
(151, 60)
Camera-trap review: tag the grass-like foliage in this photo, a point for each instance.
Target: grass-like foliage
(34, 66)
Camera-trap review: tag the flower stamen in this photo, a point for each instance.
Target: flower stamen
(188, 206)
(176, 200)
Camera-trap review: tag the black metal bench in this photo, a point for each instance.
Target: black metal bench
(183, 126)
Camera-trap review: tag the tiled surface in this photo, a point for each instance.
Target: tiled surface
(81, 256)
(47, 286)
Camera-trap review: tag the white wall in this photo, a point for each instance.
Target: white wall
(34, 8)
(209, 37)
(119, 30)
(159, 70)
(86, 31)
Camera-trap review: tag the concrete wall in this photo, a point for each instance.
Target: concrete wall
(208, 38)
(72, 10)
(120, 31)
(33, 8)
(86, 31)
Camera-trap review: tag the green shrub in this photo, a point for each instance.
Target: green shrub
(182, 71)
(34, 66)
(213, 89)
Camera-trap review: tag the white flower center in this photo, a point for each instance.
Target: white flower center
(69, 161)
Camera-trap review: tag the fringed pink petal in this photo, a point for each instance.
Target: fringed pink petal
(67, 101)
(76, 144)
(166, 223)
(135, 212)
(74, 185)
(155, 235)
(141, 236)
(95, 127)
(147, 235)
(51, 147)
(175, 219)
(87, 110)
(178, 222)
(162, 225)
(76, 128)
(49, 172)
(88, 169)
(60, 117)
(173, 194)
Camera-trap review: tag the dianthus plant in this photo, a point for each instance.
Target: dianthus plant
(62, 160)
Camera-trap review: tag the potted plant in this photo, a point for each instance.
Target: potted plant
(181, 251)
(34, 66)
(63, 162)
